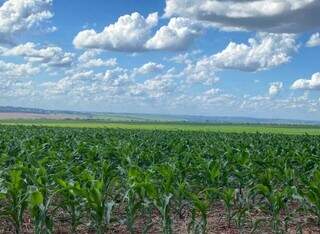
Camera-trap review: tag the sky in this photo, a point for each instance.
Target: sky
(257, 58)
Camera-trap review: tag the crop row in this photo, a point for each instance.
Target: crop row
(93, 175)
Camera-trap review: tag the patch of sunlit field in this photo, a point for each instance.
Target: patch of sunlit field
(172, 126)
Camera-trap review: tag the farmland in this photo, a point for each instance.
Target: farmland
(168, 126)
(111, 180)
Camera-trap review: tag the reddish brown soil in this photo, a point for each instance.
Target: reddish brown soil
(217, 224)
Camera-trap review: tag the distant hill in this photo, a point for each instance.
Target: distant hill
(11, 109)
(249, 120)
(7, 112)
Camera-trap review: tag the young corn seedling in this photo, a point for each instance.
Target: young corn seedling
(162, 203)
(242, 206)
(180, 194)
(39, 207)
(228, 196)
(276, 201)
(213, 174)
(41, 196)
(199, 206)
(13, 192)
(132, 209)
(311, 193)
(162, 197)
(134, 196)
(138, 197)
(96, 193)
(96, 201)
(71, 203)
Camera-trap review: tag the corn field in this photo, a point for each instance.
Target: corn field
(63, 180)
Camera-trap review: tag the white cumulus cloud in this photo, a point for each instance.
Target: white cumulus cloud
(17, 70)
(201, 72)
(314, 40)
(285, 16)
(90, 59)
(149, 68)
(275, 88)
(305, 84)
(18, 16)
(51, 55)
(177, 35)
(266, 51)
(134, 33)
(128, 34)
(158, 87)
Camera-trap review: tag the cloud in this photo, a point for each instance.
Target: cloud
(181, 59)
(69, 84)
(113, 88)
(161, 86)
(89, 85)
(133, 33)
(275, 88)
(266, 51)
(13, 70)
(208, 102)
(12, 89)
(286, 16)
(201, 72)
(186, 57)
(18, 16)
(314, 40)
(270, 107)
(213, 96)
(179, 34)
(89, 59)
(304, 84)
(149, 68)
(52, 56)
(128, 34)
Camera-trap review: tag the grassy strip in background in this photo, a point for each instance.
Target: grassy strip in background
(172, 126)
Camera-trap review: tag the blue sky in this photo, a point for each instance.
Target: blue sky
(200, 57)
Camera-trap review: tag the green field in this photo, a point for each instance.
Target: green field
(171, 126)
(100, 180)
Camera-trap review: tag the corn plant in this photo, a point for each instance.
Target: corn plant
(228, 196)
(96, 193)
(71, 203)
(311, 193)
(40, 199)
(88, 173)
(180, 195)
(162, 194)
(39, 208)
(199, 206)
(14, 195)
(162, 203)
(242, 208)
(135, 196)
(275, 200)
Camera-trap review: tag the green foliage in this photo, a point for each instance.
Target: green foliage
(13, 195)
(311, 193)
(98, 178)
